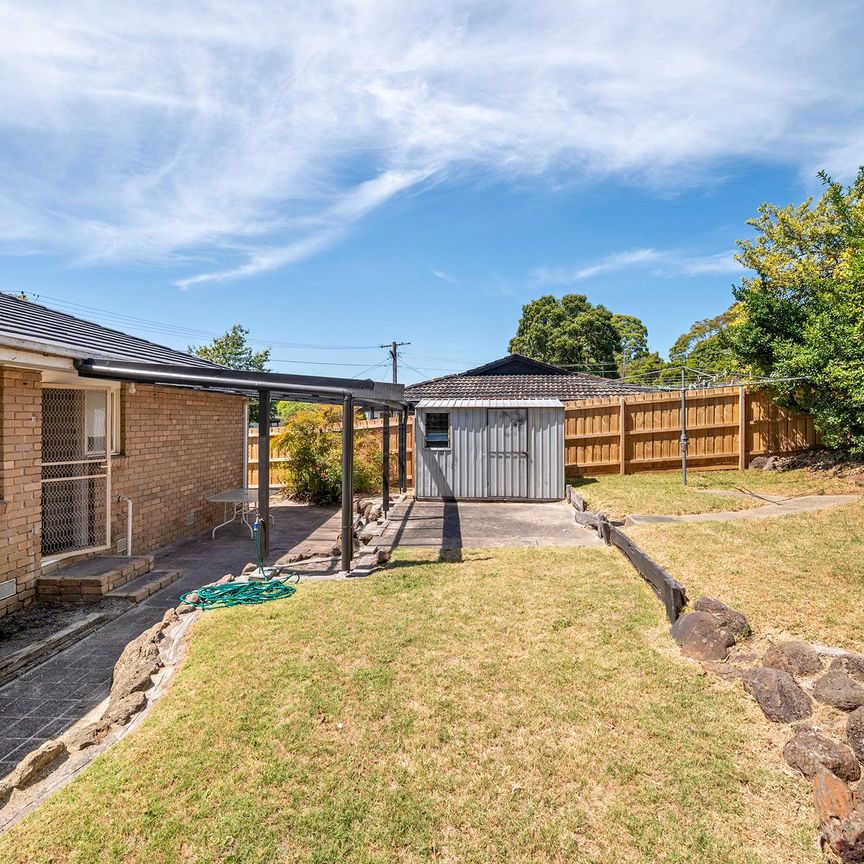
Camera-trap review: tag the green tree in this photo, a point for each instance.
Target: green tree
(804, 308)
(568, 332)
(233, 350)
(709, 345)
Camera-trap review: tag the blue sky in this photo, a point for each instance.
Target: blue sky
(344, 174)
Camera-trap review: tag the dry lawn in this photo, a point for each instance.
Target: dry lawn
(518, 706)
(662, 493)
(799, 575)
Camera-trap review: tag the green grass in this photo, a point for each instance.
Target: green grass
(519, 706)
(662, 493)
(796, 575)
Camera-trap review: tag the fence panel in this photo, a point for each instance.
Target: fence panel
(642, 432)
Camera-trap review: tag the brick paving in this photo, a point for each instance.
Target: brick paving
(51, 697)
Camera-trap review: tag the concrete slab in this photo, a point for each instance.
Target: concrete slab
(780, 507)
(482, 524)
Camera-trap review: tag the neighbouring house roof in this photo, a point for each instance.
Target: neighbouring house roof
(490, 403)
(24, 323)
(518, 377)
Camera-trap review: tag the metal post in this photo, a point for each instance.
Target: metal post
(347, 481)
(264, 471)
(684, 439)
(403, 450)
(385, 471)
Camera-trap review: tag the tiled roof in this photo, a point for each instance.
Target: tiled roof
(553, 386)
(56, 332)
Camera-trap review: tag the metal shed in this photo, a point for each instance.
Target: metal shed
(489, 449)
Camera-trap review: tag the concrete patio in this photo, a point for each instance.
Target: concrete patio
(479, 524)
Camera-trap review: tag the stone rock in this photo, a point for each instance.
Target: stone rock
(855, 733)
(192, 597)
(726, 671)
(374, 513)
(726, 616)
(770, 463)
(6, 789)
(701, 636)
(841, 813)
(808, 753)
(121, 712)
(794, 657)
(139, 661)
(851, 664)
(35, 764)
(170, 616)
(383, 555)
(184, 608)
(777, 694)
(366, 535)
(839, 690)
(251, 567)
(87, 736)
(758, 463)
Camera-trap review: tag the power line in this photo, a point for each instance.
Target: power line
(188, 332)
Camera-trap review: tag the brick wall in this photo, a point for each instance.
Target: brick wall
(20, 483)
(179, 446)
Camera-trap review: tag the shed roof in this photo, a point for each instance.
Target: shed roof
(490, 403)
(24, 323)
(517, 377)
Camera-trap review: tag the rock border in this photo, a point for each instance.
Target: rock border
(141, 677)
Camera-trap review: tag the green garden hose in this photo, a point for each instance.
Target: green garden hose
(242, 593)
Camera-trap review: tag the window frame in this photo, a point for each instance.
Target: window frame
(436, 446)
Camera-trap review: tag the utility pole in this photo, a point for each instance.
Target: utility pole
(394, 355)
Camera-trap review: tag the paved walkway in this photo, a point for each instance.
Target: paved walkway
(779, 507)
(481, 524)
(49, 698)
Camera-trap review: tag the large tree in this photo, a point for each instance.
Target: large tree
(569, 331)
(233, 350)
(804, 307)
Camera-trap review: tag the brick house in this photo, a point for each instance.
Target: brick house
(71, 448)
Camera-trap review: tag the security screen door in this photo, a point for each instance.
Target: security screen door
(508, 452)
(75, 471)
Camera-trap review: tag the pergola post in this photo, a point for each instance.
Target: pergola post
(403, 450)
(264, 471)
(385, 471)
(347, 481)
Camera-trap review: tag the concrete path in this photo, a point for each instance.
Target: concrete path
(779, 507)
(479, 524)
(48, 699)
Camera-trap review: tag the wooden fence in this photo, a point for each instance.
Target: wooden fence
(727, 427)
(632, 434)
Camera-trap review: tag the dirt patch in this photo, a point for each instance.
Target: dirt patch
(833, 463)
(38, 622)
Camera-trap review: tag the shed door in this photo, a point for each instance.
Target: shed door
(508, 452)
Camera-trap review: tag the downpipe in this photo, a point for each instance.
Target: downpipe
(123, 499)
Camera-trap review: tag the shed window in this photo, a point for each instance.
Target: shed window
(438, 430)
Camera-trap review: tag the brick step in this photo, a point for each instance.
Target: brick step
(141, 588)
(91, 579)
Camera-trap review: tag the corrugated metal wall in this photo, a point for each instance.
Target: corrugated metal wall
(462, 471)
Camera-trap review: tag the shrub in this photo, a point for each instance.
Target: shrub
(311, 441)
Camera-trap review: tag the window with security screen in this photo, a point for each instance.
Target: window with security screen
(438, 430)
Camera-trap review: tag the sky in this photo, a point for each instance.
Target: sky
(338, 175)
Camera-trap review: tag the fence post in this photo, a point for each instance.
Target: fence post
(622, 437)
(742, 428)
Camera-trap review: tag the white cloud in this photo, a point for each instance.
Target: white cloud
(665, 263)
(257, 133)
(444, 277)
